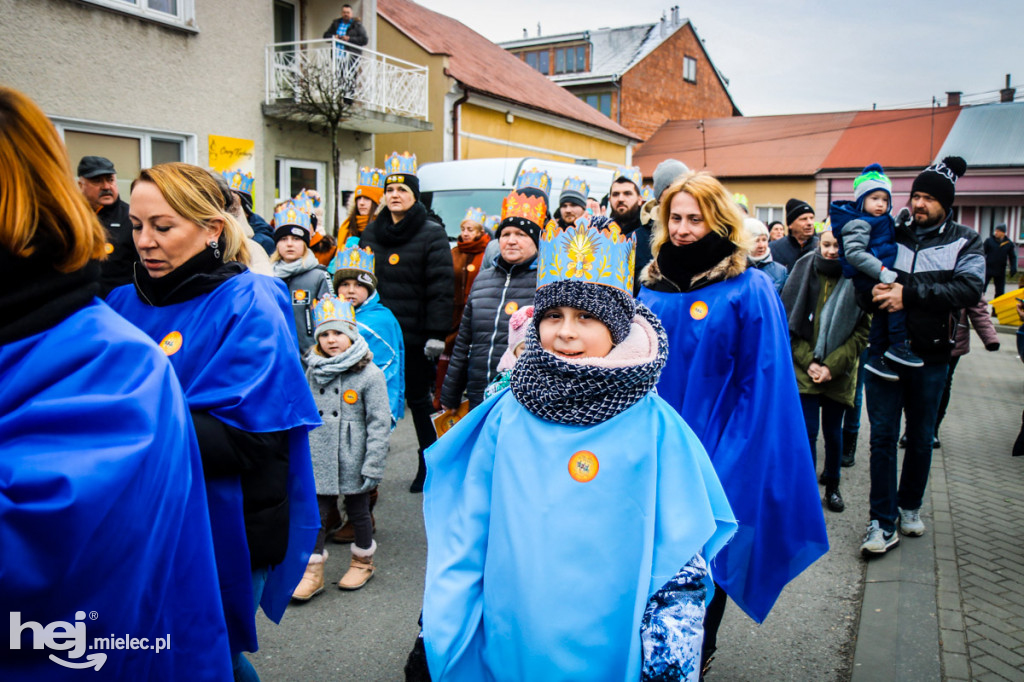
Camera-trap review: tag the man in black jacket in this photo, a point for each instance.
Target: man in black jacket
(940, 270)
(348, 29)
(416, 282)
(998, 252)
(800, 240)
(98, 181)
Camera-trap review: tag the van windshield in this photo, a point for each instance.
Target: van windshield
(451, 205)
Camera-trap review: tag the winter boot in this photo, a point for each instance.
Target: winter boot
(421, 474)
(347, 533)
(312, 582)
(833, 500)
(849, 448)
(360, 570)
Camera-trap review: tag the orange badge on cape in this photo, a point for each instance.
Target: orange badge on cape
(511, 307)
(171, 343)
(470, 268)
(393, 259)
(583, 466)
(108, 248)
(350, 396)
(699, 310)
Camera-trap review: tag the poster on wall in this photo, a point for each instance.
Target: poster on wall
(232, 154)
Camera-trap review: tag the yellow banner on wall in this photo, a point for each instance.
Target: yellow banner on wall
(232, 153)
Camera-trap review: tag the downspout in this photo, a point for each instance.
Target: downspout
(456, 105)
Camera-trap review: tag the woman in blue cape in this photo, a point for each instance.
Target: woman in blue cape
(230, 339)
(103, 520)
(522, 582)
(730, 375)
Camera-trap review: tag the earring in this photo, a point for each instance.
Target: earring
(216, 248)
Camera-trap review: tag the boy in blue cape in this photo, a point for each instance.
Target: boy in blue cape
(521, 581)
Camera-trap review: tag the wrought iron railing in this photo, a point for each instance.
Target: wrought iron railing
(376, 81)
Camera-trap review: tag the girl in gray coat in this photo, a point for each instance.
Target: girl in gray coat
(295, 263)
(350, 449)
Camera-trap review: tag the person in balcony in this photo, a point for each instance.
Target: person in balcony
(348, 30)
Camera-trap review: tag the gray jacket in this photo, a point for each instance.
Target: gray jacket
(352, 444)
(304, 289)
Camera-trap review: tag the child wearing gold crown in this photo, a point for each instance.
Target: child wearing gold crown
(350, 449)
(521, 581)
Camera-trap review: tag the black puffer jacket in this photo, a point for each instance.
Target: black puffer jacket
(121, 258)
(483, 333)
(415, 275)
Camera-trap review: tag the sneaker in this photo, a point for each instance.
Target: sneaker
(878, 541)
(936, 443)
(904, 356)
(903, 441)
(911, 523)
(880, 368)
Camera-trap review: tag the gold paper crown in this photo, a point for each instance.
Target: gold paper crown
(518, 205)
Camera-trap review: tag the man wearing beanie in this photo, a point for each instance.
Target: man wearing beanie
(940, 270)
(999, 251)
(416, 281)
(573, 202)
(801, 239)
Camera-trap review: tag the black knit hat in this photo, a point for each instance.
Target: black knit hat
(525, 224)
(939, 180)
(796, 208)
(407, 179)
(614, 307)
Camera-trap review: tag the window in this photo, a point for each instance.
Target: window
(690, 69)
(581, 58)
(531, 60)
(767, 214)
(294, 175)
(600, 101)
(538, 59)
(560, 60)
(571, 59)
(175, 12)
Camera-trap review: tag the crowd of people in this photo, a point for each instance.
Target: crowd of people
(254, 381)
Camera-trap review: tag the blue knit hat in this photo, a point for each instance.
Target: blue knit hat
(871, 179)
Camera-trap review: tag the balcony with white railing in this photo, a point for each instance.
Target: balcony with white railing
(379, 93)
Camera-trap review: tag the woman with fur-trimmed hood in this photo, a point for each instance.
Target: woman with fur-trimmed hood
(730, 375)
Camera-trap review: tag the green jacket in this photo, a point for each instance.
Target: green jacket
(842, 362)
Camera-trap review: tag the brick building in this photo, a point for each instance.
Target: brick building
(639, 76)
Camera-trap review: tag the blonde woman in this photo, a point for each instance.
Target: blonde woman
(229, 337)
(730, 376)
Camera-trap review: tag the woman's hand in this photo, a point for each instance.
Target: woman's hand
(819, 373)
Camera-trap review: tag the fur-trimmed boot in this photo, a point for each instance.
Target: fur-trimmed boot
(312, 582)
(360, 570)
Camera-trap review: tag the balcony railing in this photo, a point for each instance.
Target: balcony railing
(376, 81)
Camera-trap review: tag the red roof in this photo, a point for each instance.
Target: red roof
(902, 138)
(747, 146)
(480, 65)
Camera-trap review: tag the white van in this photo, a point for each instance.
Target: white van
(450, 187)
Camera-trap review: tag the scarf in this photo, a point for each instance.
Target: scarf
(680, 264)
(763, 260)
(581, 394)
(839, 314)
(324, 369)
(474, 247)
(198, 275)
(298, 266)
(34, 297)
(391, 233)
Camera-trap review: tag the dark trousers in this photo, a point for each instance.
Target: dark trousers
(357, 509)
(917, 393)
(1000, 281)
(419, 379)
(851, 417)
(944, 401)
(831, 427)
(713, 615)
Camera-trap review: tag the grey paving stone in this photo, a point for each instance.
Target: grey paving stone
(956, 666)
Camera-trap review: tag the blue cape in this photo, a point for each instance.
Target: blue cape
(523, 582)
(239, 360)
(730, 376)
(102, 507)
(383, 335)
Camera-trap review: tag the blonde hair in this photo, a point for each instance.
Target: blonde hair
(276, 256)
(194, 195)
(41, 208)
(716, 206)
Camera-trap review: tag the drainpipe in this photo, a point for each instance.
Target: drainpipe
(455, 122)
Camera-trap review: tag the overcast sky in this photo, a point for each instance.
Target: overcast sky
(796, 56)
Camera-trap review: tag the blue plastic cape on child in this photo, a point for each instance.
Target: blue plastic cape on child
(730, 375)
(383, 335)
(239, 360)
(517, 587)
(103, 515)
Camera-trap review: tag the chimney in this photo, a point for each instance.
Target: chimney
(526, 34)
(953, 98)
(675, 16)
(661, 25)
(538, 29)
(1007, 94)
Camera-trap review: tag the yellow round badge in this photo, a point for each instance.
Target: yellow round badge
(511, 307)
(470, 268)
(583, 466)
(350, 396)
(393, 258)
(699, 310)
(108, 248)
(171, 343)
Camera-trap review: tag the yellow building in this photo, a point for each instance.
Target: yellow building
(486, 103)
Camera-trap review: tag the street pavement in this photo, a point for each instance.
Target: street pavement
(945, 606)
